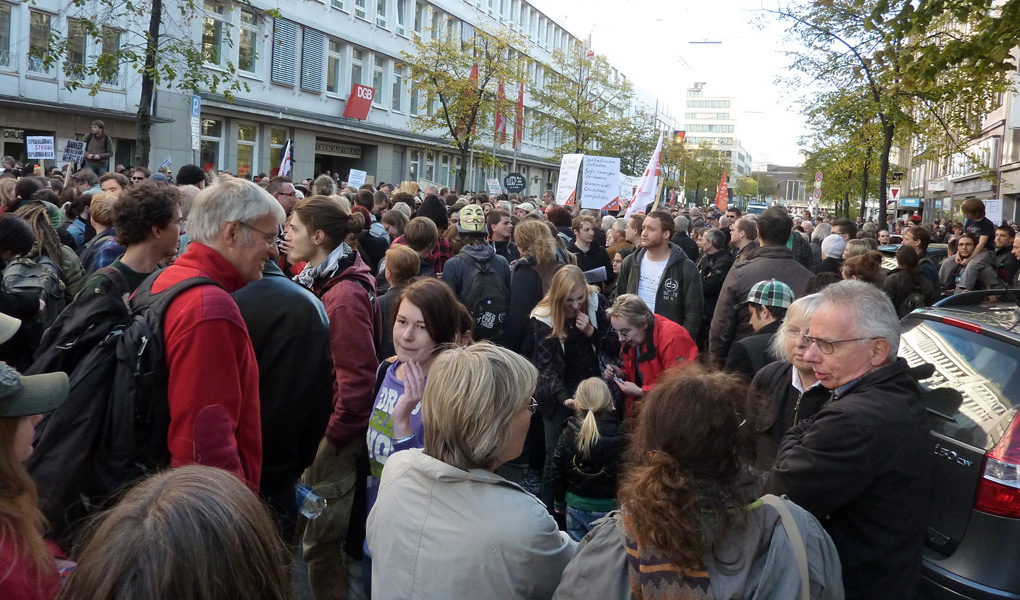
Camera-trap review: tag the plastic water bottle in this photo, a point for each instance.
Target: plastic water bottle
(309, 503)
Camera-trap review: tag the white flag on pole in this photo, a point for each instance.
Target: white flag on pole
(285, 160)
(648, 185)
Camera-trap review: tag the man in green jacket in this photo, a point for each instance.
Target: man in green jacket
(662, 275)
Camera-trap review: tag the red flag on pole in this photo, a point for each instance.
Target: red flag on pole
(470, 91)
(500, 119)
(722, 195)
(519, 124)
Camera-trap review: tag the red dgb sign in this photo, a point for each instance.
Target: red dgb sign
(359, 102)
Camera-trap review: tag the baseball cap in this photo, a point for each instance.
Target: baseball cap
(24, 395)
(526, 206)
(8, 327)
(770, 293)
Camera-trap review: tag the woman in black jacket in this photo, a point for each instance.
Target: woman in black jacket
(572, 332)
(905, 285)
(786, 391)
(529, 279)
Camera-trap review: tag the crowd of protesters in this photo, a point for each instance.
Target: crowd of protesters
(495, 397)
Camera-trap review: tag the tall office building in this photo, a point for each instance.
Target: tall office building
(715, 120)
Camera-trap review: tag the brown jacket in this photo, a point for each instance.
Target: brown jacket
(729, 323)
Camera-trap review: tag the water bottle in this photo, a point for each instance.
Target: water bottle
(309, 503)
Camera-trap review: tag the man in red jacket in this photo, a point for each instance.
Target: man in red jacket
(214, 378)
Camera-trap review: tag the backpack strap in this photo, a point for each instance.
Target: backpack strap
(796, 541)
(380, 374)
(144, 297)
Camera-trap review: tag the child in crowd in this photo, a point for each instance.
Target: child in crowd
(587, 461)
(977, 224)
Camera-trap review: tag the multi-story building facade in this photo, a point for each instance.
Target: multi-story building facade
(299, 68)
(988, 168)
(714, 120)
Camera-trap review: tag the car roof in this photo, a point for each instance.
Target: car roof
(1002, 317)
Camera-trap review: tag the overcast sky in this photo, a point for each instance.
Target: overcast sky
(649, 41)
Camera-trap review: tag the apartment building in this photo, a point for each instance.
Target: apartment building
(715, 120)
(299, 68)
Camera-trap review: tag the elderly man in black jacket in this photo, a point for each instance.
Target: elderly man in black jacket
(862, 464)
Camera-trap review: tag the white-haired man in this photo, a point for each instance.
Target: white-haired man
(862, 464)
(214, 378)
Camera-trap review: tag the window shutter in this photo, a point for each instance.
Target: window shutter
(312, 51)
(285, 38)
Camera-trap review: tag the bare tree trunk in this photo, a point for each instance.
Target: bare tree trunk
(888, 129)
(462, 172)
(864, 184)
(144, 125)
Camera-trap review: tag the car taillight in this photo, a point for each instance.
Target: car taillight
(973, 327)
(998, 490)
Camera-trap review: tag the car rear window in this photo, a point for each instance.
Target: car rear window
(974, 391)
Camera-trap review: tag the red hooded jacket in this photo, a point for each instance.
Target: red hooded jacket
(670, 346)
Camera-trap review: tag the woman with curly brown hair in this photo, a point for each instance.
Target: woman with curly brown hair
(690, 524)
(866, 267)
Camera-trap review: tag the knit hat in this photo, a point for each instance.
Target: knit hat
(773, 293)
(159, 177)
(833, 246)
(190, 175)
(434, 208)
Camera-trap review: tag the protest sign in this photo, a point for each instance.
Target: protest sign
(600, 183)
(493, 185)
(356, 179)
(566, 184)
(74, 152)
(40, 146)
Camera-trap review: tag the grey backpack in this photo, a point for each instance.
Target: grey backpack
(40, 276)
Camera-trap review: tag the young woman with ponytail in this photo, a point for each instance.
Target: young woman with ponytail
(690, 524)
(529, 281)
(320, 232)
(588, 458)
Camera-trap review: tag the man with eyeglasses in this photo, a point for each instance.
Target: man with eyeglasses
(214, 378)
(139, 174)
(862, 464)
(282, 188)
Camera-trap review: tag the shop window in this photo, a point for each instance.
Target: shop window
(212, 137)
(247, 137)
(277, 138)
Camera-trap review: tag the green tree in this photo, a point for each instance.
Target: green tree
(704, 168)
(633, 141)
(582, 99)
(459, 80)
(881, 47)
(165, 53)
(746, 187)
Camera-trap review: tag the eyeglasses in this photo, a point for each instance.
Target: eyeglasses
(532, 406)
(794, 333)
(829, 346)
(269, 238)
(286, 193)
(137, 178)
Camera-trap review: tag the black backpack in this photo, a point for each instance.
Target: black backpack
(112, 429)
(40, 276)
(914, 299)
(487, 298)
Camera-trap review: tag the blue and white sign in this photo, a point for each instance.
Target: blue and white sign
(196, 122)
(910, 203)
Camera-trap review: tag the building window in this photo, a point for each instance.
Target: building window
(430, 166)
(249, 46)
(338, 4)
(444, 170)
(357, 60)
(380, 13)
(247, 137)
(6, 57)
(360, 9)
(416, 165)
(415, 100)
(419, 17)
(398, 89)
(212, 34)
(402, 17)
(277, 138)
(434, 27)
(377, 80)
(334, 66)
(74, 64)
(38, 42)
(109, 65)
(212, 135)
